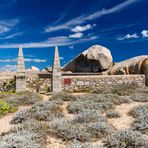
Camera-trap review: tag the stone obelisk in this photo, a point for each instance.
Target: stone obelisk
(56, 84)
(20, 76)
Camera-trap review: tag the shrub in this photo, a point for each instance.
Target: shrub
(101, 102)
(6, 108)
(25, 139)
(139, 111)
(140, 97)
(77, 144)
(46, 111)
(23, 98)
(87, 116)
(30, 134)
(125, 139)
(65, 129)
(20, 116)
(63, 96)
(140, 114)
(112, 114)
(100, 129)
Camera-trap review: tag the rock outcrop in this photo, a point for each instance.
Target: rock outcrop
(131, 66)
(95, 59)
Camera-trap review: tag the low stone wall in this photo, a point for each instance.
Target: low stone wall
(80, 83)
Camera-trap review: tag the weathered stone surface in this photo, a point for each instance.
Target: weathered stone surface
(130, 66)
(56, 73)
(145, 70)
(95, 59)
(80, 83)
(20, 76)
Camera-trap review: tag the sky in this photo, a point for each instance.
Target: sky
(73, 26)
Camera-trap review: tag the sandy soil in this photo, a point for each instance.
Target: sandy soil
(124, 121)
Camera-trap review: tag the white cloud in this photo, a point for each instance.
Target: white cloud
(129, 36)
(82, 28)
(7, 25)
(11, 36)
(61, 58)
(84, 18)
(8, 68)
(71, 47)
(35, 60)
(51, 42)
(26, 60)
(144, 33)
(76, 35)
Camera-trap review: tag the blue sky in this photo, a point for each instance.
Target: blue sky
(73, 26)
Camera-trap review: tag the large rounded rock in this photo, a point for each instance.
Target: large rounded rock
(95, 59)
(130, 66)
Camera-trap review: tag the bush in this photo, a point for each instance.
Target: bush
(46, 111)
(65, 129)
(6, 108)
(77, 144)
(97, 102)
(87, 116)
(23, 98)
(100, 129)
(20, 116)
(30, 134)
(63, 96)
(140, 97)
(140, 114)
(24, 139)
(112, 114)
(126, 139)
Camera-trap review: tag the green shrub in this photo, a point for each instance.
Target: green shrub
(126, 139)
(6, 108)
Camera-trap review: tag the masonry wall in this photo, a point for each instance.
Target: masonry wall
(82, 83)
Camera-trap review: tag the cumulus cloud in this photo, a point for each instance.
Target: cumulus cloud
(129, 36)
(144, 33)
(82, 28)
(76, 35)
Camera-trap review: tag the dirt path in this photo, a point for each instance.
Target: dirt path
(125, 120)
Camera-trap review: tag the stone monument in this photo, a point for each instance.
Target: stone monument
(56, 73)
(20, 75)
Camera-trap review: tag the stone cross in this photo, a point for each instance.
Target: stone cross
(56, 73)
(20, 76)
